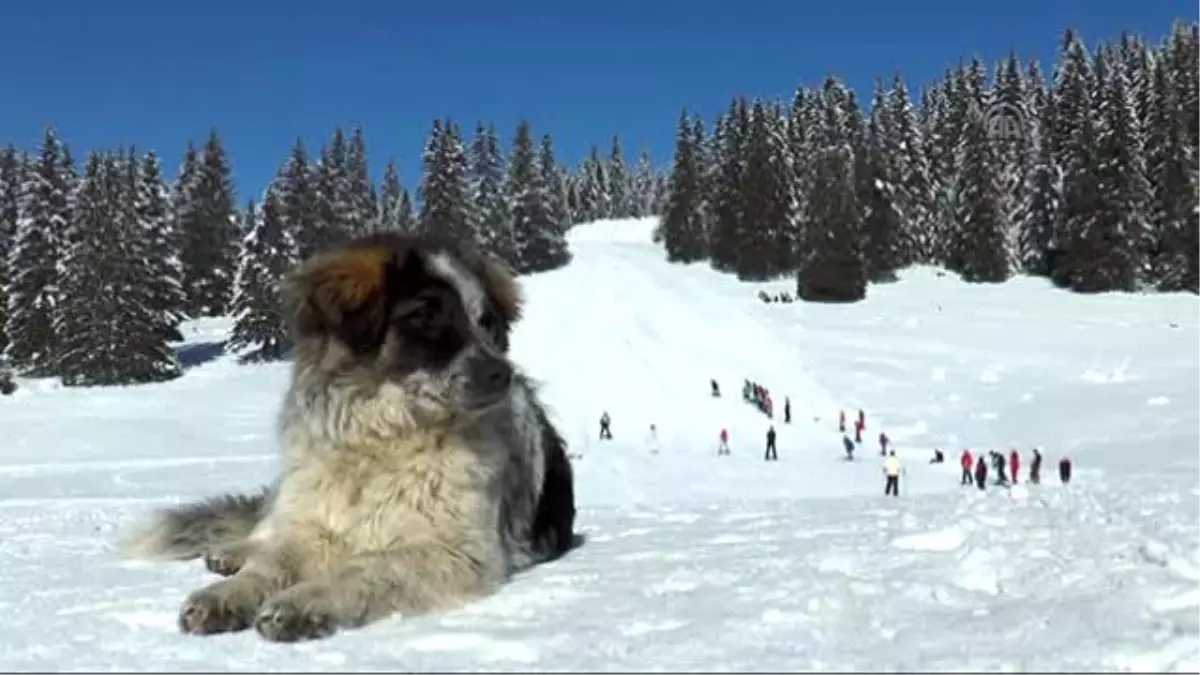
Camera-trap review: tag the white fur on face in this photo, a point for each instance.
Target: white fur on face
(468, 287)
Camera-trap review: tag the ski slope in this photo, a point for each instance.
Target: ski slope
(694, 561)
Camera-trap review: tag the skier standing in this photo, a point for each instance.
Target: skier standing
(605, 422)
(787, 410)
(891, 469)
(998, 465)
(981, 473)
(883, 443)
(723, 448)
(1014, 464)
(967, 462)
(849, 446)
(652, 440)
(716, 389)
(842, 421)
(1035, 467)
(771, 454)
(1064, 470)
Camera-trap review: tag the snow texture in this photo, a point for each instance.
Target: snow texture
(693, 561)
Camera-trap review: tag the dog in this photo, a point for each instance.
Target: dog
(419, 472)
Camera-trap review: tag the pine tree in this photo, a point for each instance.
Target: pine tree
(209, 232)
(260, 331)
(332, 200)
(832, 268)
(491, 213)
(360, 201)
(641, 204)
(1039, 213)
(729, 214)
(619, 182)
(913, 183)
(33, 262)
(1171, 161)
(162, 243)
(555, 184)
(300, 203)
(884, 231)
(683, 234)
(1011, 127)
(444, 191)
(13, 181)
(394, 210)
(539, 243)
(110, 334)
(981, 253)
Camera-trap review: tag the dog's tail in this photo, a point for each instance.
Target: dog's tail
(191, 530)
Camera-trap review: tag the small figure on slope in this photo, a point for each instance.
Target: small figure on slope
(848, 445)
(723, 447)
(787, 410)
(981, 473)
(1014, 465)
(1064, 470)
(771, 454)
(883, 443)
(938, 457)
(1035, 467)
(716, 389)
(842, 421)
(999, 465)
(891, 470)
(652, 440)
(605, 423)
(967, 462)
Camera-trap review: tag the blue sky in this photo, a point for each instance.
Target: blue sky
(263, 72)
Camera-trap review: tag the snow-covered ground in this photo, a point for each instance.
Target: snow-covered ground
(694, 561)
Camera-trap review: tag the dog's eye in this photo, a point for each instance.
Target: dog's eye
(426, 313)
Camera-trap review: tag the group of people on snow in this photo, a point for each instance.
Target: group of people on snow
(975, 469)
(760, 397)
(783, 297)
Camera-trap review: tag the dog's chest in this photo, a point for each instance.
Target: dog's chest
(370, 501)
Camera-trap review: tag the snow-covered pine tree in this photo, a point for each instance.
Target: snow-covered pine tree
(1074, 145)
(1171, 166)
(832, 269)
(13, 182)
(884, 233)
(1008, 104)
(209, 232)
(491, 215)
(706, 169)
(729, 191)
(643, 188)
(33, 261)
(444, 190)
(332, 194)
(682, 227)
(300, 206)
(540, 244)
(981, 253)
(394, 210)
(555, 185)
(260, 330)
(914, 197)
(1039, 213)
(360, 202)
(619, 181)
(1116, 240)
(162, 245)
(767, 243)
(110, 334)
(598, 195)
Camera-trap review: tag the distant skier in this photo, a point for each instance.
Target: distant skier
(605, 426)
(999, 466)
(723, 448)
(883, 443)
(652, 440)
(858, 432)
(981, 473)
(1014, 465)
(862, 419)
(787, 410)
(771, 453)
(967, 462)
(891, 469)
(849, 446)
(747, 390)
(938, 457)
(842, 421)
(1064, 470)
(1035, 467)
(716, 389)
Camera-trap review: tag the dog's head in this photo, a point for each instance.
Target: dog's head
(420, 321)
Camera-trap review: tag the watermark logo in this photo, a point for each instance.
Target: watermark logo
(1004, 122)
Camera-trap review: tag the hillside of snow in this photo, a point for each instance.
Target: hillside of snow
(694, 561)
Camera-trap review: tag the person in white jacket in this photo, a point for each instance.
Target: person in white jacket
(891, 469)
(652, 440)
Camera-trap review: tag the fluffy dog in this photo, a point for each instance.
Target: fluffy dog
(419, 469)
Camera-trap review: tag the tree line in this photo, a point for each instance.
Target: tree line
(100, 263)
(1089, 180)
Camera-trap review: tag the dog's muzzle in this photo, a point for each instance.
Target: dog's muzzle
(491, 377)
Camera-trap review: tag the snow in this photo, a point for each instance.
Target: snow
(694, 561)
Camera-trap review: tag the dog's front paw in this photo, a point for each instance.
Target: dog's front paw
(284, 620)
(226, 562)
(206, 612)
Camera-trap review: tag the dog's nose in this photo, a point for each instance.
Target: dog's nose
(493, 373)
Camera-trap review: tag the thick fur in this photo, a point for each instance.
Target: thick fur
(420, 470)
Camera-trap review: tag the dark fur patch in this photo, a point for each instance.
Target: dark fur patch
(552, 534)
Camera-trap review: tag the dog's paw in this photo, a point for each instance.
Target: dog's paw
(283, 620)
(206, 612)
(226, 562)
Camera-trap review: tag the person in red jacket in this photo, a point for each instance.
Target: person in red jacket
(968, 463)
(723, 448)
(1014, 464)
(862, 419)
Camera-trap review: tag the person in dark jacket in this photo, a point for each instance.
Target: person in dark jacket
(981, 473)
(849, 446)
(1000, 466)
(716, 389)
(605, 431)
(1035, 467)
(1064, 470)
(787, 410)
(771, 454)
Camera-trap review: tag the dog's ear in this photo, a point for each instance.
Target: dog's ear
(503, 287)
(344, 294)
